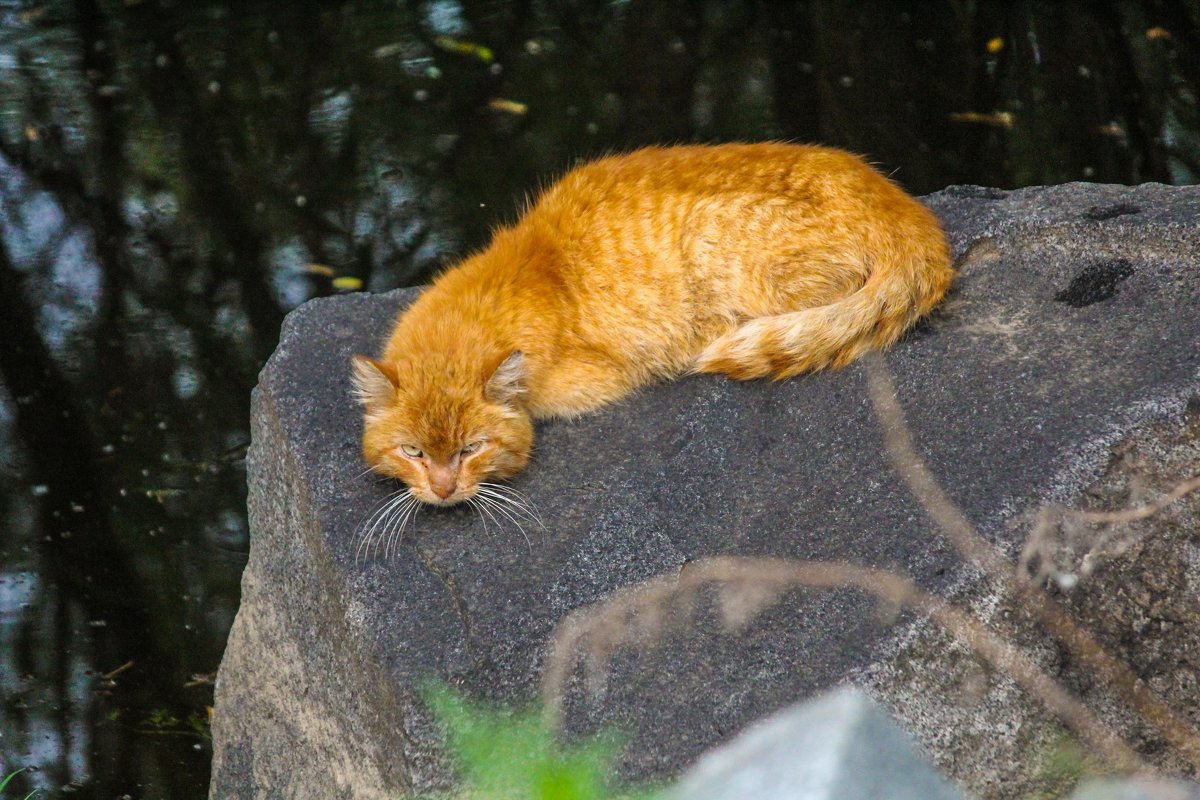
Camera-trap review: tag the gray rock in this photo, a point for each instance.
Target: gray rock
(1138, 789)
(973, 722)
(1076, 318)
(839, 746)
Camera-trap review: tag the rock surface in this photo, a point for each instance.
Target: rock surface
(1138, 789)
(838, 746)
(1075, 321)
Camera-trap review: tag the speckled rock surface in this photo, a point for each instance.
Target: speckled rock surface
(1075, 322)
(1138, 789)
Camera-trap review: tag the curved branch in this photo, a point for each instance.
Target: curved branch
(610, 622)
(973, 547)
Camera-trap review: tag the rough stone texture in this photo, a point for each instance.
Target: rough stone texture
(1075, 324)
(1142, 599)
(1138, 789)
(838, 746)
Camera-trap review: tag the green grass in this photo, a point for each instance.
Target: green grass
(1061, 766)
(9, 777)
(512, 755)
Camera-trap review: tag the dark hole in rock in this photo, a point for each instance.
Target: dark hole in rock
(1100, 213)
(1095, 282)
(1193, 406)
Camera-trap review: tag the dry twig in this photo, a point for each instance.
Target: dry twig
(745, 586)
(749, 585)
(1058, 531)
(973, 547)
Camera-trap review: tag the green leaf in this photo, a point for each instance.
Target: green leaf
(14, 774)
(9, 777)
(507, 754)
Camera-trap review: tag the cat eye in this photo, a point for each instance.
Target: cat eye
(471, 447)
(410, 451)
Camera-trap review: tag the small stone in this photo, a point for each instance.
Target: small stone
(836, 747)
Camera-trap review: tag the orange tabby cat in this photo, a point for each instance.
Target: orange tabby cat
(751, 260)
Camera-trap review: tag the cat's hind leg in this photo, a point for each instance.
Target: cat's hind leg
(831, 335)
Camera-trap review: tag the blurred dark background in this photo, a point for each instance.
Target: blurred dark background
(174, 177)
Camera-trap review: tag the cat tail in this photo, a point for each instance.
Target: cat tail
(831, 336)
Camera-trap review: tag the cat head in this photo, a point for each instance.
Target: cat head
(439, 432)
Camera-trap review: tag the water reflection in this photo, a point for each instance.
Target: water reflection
(174, 178)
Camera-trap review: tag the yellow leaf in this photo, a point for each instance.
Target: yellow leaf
(1156, 33)
(320, 269)
(995, 45)
(465, 48)
(997, 119)
(347, 283)
(507, 106)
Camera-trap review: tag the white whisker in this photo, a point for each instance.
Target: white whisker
(396, 536)
(514, 501)
(381, 523)
(473, 503)
(367, 523)
(511, 507)
(481, 505)
(396, 524)
(504, 487)
(394, 507)
(515, 498)
(488, 501)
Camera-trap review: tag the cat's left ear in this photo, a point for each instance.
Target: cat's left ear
(508, 381)
(373, 387)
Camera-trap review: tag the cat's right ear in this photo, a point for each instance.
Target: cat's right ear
(507, 383)
(373, 387)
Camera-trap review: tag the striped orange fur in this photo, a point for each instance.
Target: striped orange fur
(752, 260)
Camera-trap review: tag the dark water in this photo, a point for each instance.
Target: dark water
(174, 177)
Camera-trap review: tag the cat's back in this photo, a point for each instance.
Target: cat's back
(655, 199)
(773, 169)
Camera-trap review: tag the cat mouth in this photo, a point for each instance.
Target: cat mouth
(429, 498)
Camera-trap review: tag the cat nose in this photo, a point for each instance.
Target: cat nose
(443, 479)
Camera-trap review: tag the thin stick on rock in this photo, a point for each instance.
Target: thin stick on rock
(605, 625)
(1143, 511)
(973, 547)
